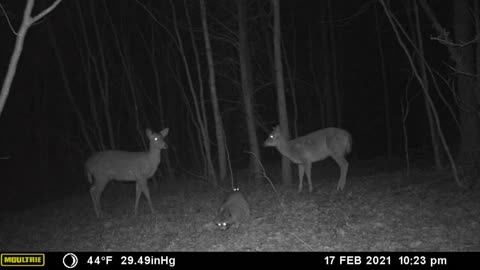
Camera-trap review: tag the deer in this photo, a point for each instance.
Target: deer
(102, 167)
(312, 147)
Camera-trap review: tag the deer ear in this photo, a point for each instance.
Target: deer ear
(164, 132)
(148, 132)
(276, 128)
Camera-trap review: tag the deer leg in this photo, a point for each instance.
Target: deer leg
(301, 171)
(96, 193)
(138, 193)
(308, 171)
(93, 192)
(147, 194)
(343, 164)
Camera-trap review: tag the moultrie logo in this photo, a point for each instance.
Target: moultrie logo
(22, 259)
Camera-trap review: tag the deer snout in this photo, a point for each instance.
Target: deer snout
(268, 142)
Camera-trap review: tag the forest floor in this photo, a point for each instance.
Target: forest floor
(376, 212)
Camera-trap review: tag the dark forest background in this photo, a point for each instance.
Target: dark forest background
(93, 75)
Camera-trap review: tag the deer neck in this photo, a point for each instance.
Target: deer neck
(154, 154)
(284, 148)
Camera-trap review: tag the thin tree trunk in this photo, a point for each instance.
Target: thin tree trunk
(316, 85)
(423, 72)
(222, 162)
(27, 21)
(132, 99)
(247, 88)
(333, 52)
(465, 69)
(476, 8)
(87, 63)
(201, 122)
(210, 173)
(463, 58)
(397, 28)
(162, 111)
(192, 109)
(103, 82)
(291, 83)
(327, 72)
(386, 91)
(68, 90)
(282, 106)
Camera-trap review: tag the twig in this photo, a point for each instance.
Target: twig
(453, 44)
(264, 174)
(303, 242)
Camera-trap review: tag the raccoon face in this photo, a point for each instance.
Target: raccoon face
(223, 225)
(222, 219)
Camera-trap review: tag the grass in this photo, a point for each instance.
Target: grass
(376, 212)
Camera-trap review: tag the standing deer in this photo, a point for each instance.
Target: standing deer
(315, 146)
(102, 167)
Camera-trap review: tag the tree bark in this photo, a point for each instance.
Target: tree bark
(334, 67)
(200, 116)
(328, 98)
(462, 29)
(247, 87)
(423, 72)
(222, 161)
(386, 94)
(281, 103)
(27, 21)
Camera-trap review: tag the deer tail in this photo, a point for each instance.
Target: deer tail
(89, 175)
(348, 147)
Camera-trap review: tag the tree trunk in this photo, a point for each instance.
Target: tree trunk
(203, 126)
(476, 6)
(334, 79)
(395, 26)
(386, 94)
(27, 21)
(222, 161)
(316, 84)
(423, 73)
(201, 123)
(282, 106)
(327, 73)
(465, 83)
(247, 88)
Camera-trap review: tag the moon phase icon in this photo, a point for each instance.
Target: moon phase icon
(70, 260)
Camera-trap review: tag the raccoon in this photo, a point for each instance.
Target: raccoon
(234, 210)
